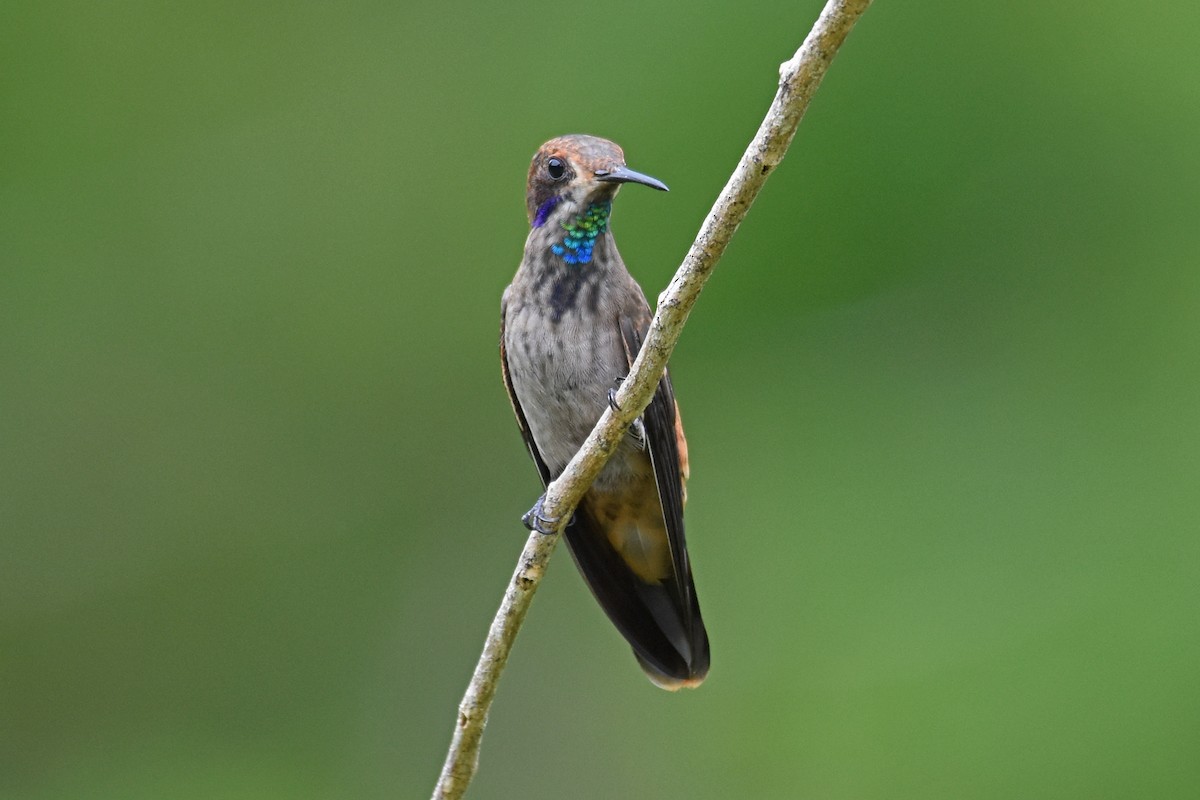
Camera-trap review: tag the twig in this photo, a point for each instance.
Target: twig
(799, 79)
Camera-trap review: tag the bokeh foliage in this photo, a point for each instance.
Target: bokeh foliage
(259, 484)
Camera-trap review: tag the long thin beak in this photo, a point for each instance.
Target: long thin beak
(626, 175)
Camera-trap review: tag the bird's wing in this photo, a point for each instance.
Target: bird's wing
(543, 470)
(668, 455)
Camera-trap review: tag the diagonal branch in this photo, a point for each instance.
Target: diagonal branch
(799, 79)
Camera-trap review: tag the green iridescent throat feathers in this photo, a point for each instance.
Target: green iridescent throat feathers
(582, 231)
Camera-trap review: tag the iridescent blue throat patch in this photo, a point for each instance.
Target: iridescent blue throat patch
(582, 230)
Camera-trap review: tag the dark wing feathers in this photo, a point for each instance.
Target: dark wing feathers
(659, 422)
(543, 470)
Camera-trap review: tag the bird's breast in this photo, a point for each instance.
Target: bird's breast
(562, 366)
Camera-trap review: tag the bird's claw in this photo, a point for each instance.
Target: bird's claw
(535, 518)
(612, 393)
(637, 431)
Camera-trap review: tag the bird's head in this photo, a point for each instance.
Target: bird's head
(572, 182)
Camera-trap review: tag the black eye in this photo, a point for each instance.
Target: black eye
(555, 168)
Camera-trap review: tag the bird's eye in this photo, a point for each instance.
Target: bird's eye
(556, 169)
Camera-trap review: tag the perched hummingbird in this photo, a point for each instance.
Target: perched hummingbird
(572, 322)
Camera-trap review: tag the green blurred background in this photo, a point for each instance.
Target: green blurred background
(259, 482)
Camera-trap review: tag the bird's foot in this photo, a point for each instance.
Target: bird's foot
(637, 432)
(535, 519)
(612, 393)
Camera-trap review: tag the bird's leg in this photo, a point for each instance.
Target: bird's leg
(535, 518)
(637, 430)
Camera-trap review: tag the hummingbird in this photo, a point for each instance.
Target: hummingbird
(572, 322)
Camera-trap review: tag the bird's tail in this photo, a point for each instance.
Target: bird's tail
(659, 618)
